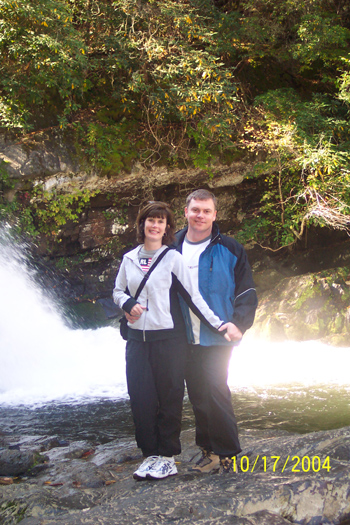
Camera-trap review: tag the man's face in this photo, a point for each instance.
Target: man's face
(200, 215)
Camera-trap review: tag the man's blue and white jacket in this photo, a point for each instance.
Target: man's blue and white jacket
(225, 283)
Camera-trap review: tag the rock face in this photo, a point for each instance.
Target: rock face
(298, 300)
(307, 307)
(108, 221)
(14, 462)
(283, 478)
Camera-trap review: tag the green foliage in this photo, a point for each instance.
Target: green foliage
(64, 263)
(43, 61)
(108, 146)
(344, 84)
(305, 178)
(157, 61)
(6, 182)
(16, 211)
(321, 37)
(312, 34)
(45, 212)
(186, 82)
(51, 210)
(177, 80)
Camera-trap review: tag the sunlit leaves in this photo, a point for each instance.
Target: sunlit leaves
(344, 88)
(322, 38)
(177, 76)
(306, 174)
(302, 36)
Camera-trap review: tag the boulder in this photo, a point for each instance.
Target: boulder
(312, 306)
(15, 462)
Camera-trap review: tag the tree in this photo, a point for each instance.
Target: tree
(305, 178)
(42, 63)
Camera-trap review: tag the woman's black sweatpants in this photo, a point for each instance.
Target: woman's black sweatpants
(155, 378)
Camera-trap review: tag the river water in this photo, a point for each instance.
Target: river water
(71, 382)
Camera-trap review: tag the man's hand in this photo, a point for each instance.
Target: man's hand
(232, 332)
(135, 313)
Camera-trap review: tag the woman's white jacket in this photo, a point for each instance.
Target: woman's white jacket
(160, 294)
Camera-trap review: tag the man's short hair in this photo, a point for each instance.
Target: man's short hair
(201, 195)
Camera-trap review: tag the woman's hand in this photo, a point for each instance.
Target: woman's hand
(137, 310)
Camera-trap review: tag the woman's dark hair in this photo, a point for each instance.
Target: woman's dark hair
(160, 210)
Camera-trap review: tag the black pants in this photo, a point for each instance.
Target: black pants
(206, 380)
(155, 378)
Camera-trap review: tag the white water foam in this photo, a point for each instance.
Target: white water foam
(261, 363)
(41, 359)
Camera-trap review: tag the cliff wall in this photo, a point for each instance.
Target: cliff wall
(90, 224)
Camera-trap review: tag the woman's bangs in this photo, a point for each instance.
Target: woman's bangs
(158, 213)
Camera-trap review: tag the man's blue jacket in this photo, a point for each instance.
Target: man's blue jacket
(225, 282)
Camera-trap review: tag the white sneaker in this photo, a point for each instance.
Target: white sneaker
(162, 468)
(141, 472)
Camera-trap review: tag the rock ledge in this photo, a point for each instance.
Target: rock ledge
(283, 478)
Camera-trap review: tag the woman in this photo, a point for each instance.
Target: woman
(155, 349)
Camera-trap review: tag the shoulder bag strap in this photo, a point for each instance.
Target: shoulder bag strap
(144, 280)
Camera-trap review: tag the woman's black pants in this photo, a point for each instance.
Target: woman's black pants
(155, 378)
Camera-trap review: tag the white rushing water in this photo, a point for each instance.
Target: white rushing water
(42, 360)
(309, 363)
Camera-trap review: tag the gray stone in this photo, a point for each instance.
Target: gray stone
(287, 484)
(14, 462)
(313, 306)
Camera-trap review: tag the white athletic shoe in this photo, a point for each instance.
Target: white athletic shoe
(162, 468)
(140, 473)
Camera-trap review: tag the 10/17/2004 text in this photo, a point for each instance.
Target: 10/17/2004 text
(294, 463)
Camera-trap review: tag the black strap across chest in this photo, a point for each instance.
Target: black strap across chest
(146, 277)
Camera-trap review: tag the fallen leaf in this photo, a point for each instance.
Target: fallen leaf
(87, 453)
(6, 481)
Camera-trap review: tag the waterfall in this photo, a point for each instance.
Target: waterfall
(42, 359)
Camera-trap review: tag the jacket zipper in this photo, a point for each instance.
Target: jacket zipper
(144, 324)
(145, 313)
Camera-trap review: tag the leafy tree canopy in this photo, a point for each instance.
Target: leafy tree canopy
(191, 80)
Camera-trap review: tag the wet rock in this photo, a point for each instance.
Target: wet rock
(283, 478)
(15, 462)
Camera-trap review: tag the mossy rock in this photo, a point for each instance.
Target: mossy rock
(314, 306)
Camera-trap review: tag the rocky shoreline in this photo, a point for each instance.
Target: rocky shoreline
(283, 478)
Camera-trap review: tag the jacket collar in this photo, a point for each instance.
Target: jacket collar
(134, 254)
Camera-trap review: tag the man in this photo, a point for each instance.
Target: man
(219, 267)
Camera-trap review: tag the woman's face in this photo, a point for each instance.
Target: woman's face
(155, 228)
